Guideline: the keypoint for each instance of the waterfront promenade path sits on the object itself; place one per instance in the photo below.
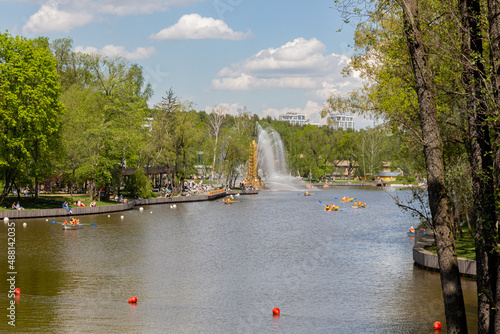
(77, 211)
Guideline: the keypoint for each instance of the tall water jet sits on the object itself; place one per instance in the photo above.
(272, 162)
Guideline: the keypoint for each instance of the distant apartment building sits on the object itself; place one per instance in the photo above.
(341, 122)
(294, 118)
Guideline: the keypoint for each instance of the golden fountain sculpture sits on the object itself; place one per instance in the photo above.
(253, 178)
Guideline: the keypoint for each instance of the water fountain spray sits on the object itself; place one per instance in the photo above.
(272, 162)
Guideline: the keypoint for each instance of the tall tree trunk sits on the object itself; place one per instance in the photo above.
(213, 162)
(481, 162)
(91, 188)
(494, 34)
(439, 201)
(37, 186)
(9, 180)
(72, 189)
(18, 191)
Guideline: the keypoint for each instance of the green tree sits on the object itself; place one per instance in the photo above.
(67, 61)
(184, 138)
(176, 133)
(83, 149)
(216, 119)
(105, 118)
(397, 27)
(234, 152)
(29, 108)
(370, 152)
(139, 185)
(317, 149)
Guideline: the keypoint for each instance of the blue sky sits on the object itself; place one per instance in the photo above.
(268, 56)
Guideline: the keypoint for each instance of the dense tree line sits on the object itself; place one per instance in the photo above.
(81, 119)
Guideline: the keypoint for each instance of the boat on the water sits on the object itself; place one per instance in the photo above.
(71, 227)
(417, 233)
(74, 224)
(412, 231)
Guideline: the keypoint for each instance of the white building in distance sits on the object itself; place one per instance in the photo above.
(341, 122)
(294, 118)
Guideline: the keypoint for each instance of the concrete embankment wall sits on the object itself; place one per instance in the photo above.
(185, 199)
(62, 212)
(243, 192)
(426, 259)
(76, 211)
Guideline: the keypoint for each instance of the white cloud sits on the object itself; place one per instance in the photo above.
(50, 19)
(194, 26)
(299, 64)
(120, 51)
(231, 109)
(63, 15)
(327, 88)
(133, 7)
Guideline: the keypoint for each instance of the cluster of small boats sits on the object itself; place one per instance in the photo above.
(333, 207)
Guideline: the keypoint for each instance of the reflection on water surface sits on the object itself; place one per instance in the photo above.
(213, 268)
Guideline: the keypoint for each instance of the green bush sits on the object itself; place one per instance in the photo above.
(410, 179)
(139, 185)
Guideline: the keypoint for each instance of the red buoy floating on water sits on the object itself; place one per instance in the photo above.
(17, 291)
(437, 325)
(276, 311)
(132, 300)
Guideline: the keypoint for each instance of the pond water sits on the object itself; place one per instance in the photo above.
(207, 267)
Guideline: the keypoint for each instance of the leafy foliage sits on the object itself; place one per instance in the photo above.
(139, 185)
(29, 109)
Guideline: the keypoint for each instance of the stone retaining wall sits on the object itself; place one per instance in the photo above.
(426, 259)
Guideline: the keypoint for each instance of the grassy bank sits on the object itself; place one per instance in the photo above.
(466, 248)
(50, 201)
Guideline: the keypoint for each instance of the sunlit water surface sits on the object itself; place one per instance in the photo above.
(212, 268)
